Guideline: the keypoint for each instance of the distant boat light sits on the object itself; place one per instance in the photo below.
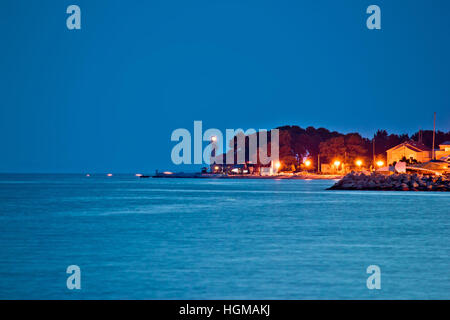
(109, 174)
(88, 175)
(167, 172)
(138, 175)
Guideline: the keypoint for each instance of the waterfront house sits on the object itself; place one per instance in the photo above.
(410, 150)
(443, 151)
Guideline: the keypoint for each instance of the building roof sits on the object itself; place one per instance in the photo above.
(446, 143)
(413, 145)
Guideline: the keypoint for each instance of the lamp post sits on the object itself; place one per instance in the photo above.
(318, 163)
(307, 164)
(213, 152)
(373, 152)
(337, 163)
(277, 165)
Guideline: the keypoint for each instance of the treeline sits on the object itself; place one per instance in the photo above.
(297, 143)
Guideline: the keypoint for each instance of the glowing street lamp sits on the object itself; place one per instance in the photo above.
(337, 163)
(380, 163)
(307, 163)
(359, 163)
(213, 138)
(277, 165)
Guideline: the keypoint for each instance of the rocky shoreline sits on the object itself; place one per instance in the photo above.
(396, 182)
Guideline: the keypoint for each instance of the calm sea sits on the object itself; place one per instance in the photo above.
(218, 239)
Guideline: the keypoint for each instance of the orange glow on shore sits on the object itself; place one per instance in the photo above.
(337, 163)
(380, 163)
(277, 165)
(307, 163)
(359, 163)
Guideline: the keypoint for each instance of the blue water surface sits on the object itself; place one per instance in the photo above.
(218, 239)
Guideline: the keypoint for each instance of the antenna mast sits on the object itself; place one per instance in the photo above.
(434, 134)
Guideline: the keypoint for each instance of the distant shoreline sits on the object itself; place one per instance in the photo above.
(221, 176)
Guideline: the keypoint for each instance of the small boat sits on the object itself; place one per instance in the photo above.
(143, 176)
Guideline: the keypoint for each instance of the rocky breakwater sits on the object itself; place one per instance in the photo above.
(398, 182)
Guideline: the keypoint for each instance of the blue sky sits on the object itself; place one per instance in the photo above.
(106, 98)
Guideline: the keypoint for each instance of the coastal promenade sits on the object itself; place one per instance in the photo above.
(303, 176)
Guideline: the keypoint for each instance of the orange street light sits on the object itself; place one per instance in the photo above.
(359, 163)
(337, 163)
(307, 163)
(380, 163)
(277, 165)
